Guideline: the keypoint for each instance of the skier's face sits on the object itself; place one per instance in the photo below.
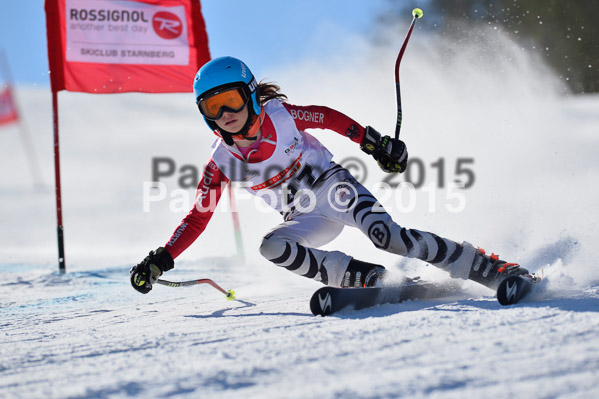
(233, 122)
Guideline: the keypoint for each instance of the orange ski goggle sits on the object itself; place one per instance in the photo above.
(214, 104)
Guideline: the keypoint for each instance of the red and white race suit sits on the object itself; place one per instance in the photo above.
(285, 148)
(289, 161)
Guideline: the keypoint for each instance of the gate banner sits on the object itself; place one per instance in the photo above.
(117, 46)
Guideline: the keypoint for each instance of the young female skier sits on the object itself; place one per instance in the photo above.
(264, 146)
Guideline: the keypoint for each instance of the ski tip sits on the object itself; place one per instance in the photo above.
(321, 303)
(512, 289)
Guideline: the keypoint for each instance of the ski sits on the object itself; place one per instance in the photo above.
(513, 289)
(330, 300)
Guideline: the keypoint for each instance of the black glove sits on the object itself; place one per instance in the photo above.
(147, 272)
(391, 154)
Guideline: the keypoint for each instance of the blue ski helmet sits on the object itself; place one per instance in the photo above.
(226, 72)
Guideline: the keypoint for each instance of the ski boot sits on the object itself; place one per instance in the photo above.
(362, 274)
(489, 270)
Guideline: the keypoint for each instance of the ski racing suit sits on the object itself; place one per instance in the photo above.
(293, 172)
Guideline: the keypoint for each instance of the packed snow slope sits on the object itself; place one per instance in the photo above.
(88, 334)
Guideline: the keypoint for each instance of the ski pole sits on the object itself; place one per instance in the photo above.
(230, 294)
(416, 14)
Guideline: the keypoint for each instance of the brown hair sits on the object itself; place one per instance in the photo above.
(269, 91)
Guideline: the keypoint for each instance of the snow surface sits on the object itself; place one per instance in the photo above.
(87, 334)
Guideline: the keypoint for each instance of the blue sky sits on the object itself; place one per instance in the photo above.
(263, 33)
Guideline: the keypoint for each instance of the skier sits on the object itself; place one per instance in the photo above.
(263, 145)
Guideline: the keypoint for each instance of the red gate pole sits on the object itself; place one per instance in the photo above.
(59, 227)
